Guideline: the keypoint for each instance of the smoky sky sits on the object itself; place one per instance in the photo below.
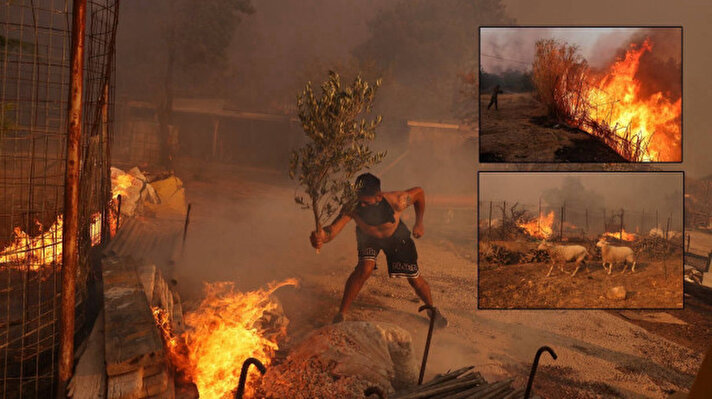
(637, 191)
(512, 48)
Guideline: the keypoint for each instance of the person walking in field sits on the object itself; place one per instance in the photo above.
(379, 228)
(493, 100)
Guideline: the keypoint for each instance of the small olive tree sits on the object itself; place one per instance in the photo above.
(337, 147)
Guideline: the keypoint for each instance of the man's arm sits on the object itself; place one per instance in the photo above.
(416, 197)
(329, 232)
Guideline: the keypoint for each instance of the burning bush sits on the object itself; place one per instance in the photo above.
(610, 105)
(227, 328)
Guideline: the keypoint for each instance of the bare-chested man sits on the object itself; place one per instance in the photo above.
(379, 228)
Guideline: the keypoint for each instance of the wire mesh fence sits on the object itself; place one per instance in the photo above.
(35, 39)
(565, 221)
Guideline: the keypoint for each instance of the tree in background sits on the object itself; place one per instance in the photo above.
(338, 145)
(424, 45)
(176, 45)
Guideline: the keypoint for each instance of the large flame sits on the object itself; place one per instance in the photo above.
(625, 236)
(221, 334)
(540, 227)
(614, 101)
(45, 248)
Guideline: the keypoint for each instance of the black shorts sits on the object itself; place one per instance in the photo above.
(399, 248)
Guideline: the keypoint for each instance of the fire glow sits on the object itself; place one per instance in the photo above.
(45, 247)
(539, 228)
(614, 103)
(221, 334)
(621, 235)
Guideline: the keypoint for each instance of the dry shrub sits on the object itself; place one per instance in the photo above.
(559, 74)
(563, 81)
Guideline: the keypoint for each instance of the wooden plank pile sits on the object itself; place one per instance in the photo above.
(462, 384)
(136, 364)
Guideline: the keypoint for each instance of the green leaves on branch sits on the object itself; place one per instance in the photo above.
(338, 145)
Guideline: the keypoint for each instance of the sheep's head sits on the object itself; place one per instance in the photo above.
(543, 245)
(601, 242)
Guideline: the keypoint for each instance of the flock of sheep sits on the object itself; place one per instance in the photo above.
(566, 253)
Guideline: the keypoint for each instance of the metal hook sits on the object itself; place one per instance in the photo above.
(433, 315)
(534, 366)
(243, 374)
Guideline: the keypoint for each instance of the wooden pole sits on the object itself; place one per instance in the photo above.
(504, 215)
(657, 220)
(538, 222)
(561, 225)
(490, 221)
(70, 233)
(642, 222)
(605, 226)
(586, 222)
(621, 231)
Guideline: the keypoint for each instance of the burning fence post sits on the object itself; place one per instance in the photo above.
(561, 225)
(70, 254)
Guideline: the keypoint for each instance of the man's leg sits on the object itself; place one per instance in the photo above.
(422, 289)
(354, 283)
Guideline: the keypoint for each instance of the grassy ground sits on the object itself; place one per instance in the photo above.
(520, 132)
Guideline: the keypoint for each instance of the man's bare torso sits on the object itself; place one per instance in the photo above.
(398, 200)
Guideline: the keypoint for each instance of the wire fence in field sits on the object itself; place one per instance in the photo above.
(503, 219)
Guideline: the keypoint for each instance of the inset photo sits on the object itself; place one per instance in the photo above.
(580, 240)
(580, 94)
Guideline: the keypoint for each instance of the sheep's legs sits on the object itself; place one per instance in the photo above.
(577, 268)
(550, 269)
(625, 266)
(633, 268)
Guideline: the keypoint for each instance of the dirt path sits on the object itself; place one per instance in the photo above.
(654, 284)
(520, 132)
(253, 233)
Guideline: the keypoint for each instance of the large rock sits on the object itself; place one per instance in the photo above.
(342, 360)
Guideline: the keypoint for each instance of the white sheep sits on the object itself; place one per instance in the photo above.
(611, 255)
(563, 254)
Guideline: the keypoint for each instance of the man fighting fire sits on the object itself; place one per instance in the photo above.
(379, 228)
(493, 99)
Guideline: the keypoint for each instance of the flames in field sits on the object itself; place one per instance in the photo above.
(622, 235)
(225, 330)
(540, 227)
(634, 105)
(615, 101)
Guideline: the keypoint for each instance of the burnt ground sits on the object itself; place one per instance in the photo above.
(246, 228)
(526, 286)
(521, 132)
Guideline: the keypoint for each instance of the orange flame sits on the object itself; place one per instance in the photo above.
(615, 102)
(45, 248)
(625, 236)
(221, 334)
(539, 228)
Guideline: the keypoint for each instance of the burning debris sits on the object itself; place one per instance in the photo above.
(611, 104)
(540, 227)
(227, 328)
